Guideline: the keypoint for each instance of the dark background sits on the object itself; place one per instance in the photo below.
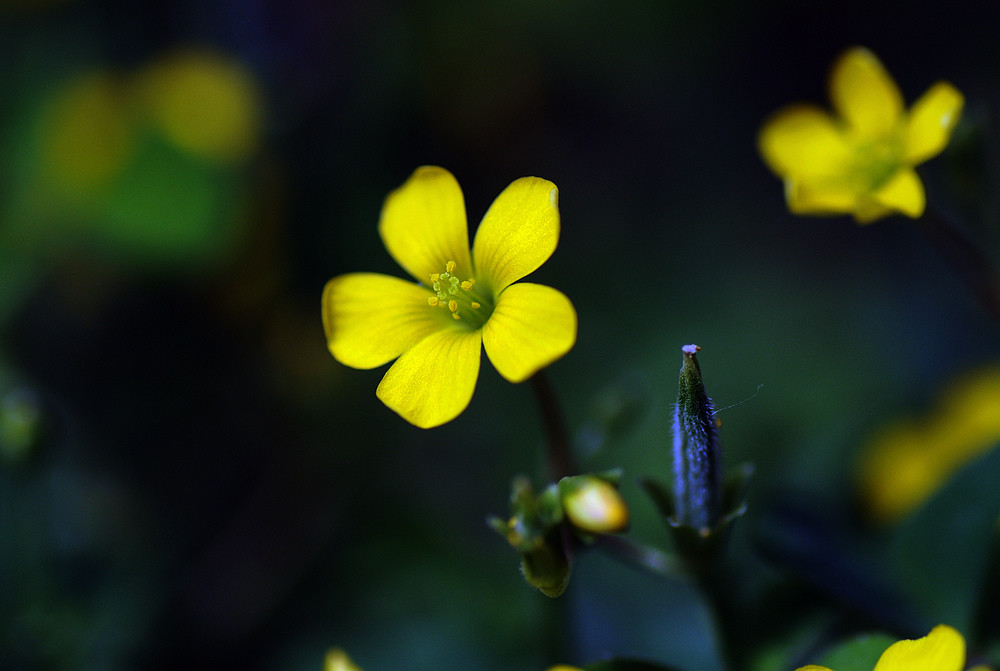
(200, 485)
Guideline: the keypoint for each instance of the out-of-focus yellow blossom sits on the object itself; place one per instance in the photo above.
(87, 133)
(860, 161)
(593, 504)
(206, 103)
(462, 301)
(337, 660)
(564, 667)
(908, 460)
(943, 649)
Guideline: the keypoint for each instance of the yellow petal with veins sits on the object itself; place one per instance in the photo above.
(432, 382)
(370, 318)
(423, 224)
(518, 233)
(531, 326)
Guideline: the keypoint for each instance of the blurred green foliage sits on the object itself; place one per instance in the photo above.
(188, 479)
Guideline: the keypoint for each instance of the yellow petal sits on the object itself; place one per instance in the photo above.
(819, 197)
(423, 224)
(864, 94)
(812, 667)
(531, 326)
(432, 382)
(904, 193)
(941, 650)
(518, 234)
(370, 318)
(932, 119)
(803, 141)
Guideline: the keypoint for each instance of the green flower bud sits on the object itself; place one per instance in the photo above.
(697, 467)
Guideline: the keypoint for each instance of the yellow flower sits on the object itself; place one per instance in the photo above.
(464, 300)
(860, 162)
(564, 667)
(908, 460)
(941, 650)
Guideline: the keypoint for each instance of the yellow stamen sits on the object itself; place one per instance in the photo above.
(453, 306)
(475, 305)
(450, 266)
(467, 284)
(433, 301)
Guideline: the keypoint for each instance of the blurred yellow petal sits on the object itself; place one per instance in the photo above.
(518, 233)
(88, 133)
(819, 197)
(864, 94)
(813, 667)
(206, 103)
(370, 318)
(903, 193)
(932, 119)
(531, 326)
(337, 660)
(943, 649)
(432, 382)
(564, 667)
(423, 225)
(803, 140)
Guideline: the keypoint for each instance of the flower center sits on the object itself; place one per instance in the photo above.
(460, 297)
(878, 160)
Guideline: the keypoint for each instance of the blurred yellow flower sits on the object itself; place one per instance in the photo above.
(463, 301)
(862, 160)
(943, 649)
(564, 667)
(206, 103)
(909, 459)
(337, 660)
(87, 133)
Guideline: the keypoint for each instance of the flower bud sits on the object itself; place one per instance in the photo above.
(697, 468)
(337, 660)
(593, 505)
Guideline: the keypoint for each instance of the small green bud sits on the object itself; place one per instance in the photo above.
(535, 530)
(697, 467)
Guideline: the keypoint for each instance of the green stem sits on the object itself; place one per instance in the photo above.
(560, 459)
(715, 586)
(641, 556)
(972, 265)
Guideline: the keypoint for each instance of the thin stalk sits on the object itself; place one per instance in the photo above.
(976, 270)
(559, 457)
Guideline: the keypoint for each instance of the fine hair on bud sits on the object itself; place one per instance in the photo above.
(697, 468)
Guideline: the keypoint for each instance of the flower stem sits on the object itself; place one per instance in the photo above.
(972, 265)
(560, 460)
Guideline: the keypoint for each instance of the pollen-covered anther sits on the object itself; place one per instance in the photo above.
(433, 301)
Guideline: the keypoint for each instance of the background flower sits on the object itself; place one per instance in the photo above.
(860, 161)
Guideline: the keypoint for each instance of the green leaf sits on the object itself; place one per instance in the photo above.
(860, 653)
(940, 554)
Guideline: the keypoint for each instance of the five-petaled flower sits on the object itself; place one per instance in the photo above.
(862, 161)
(941, 650)
(463, 300)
